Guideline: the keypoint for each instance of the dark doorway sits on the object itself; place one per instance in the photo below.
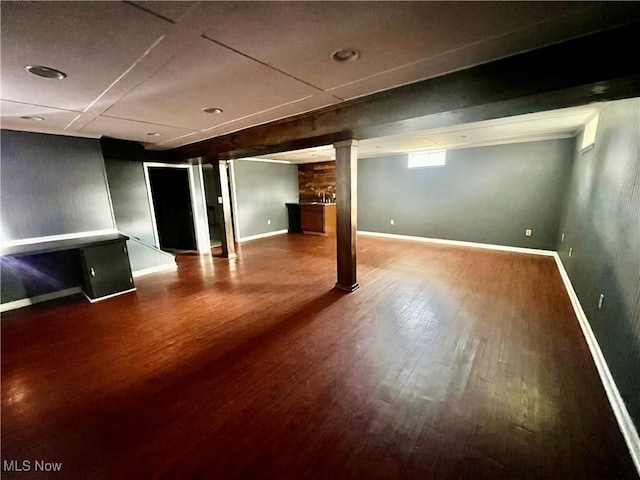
(172, 205)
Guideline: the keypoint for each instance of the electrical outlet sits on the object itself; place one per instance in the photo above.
(600, 300)
(562, 238)
(570, 251)
(268, 222)
(220, 200)
(392, 222)
(527, 232)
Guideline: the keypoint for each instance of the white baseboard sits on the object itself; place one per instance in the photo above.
(627, 427)
(261, 235)
(458, 243)
(106, 297)
(25, 302)
(160, 268)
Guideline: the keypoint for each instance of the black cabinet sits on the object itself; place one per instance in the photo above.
(106, 269)
(295, 224)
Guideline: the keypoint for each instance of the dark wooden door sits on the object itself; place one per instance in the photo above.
(172, 205)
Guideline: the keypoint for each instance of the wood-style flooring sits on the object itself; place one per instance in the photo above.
(447, 363)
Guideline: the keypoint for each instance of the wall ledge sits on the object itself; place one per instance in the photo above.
(52, 238)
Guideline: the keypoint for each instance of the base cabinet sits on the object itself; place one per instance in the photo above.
(318, 219)
(106, 269)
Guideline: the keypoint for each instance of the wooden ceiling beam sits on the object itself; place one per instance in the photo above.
(594, 68)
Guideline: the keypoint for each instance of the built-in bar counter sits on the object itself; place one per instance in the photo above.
(312, 218)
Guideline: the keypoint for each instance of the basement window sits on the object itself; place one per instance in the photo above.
(433, 158)
(589, 134)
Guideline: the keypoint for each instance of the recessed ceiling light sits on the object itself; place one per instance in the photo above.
(345, 55)
(212, 110)
(32, 117)
(45, 72)
(154, 134)
(461, 136)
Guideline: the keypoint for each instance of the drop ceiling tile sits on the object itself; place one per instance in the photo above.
(304, 105)
(54, 121)
(172, 11)
(93, 42)
(554, 30)
(299, 37)
(283, 111)
(130, 130)
(208, 75)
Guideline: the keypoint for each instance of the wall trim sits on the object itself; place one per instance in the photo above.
(627, 427)
(25, 302)
(203, 244)
(234, 199)
(64, 236)
(159, 268)
(99, 299)
(262, 235)
(459, 243)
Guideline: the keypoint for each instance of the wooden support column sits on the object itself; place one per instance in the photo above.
(347, 213)
(228, 242)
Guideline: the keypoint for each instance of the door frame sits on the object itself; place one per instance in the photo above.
(200, 220)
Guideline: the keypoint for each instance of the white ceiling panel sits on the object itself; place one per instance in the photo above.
(161, 63)
(208, 75)
(92, 42)
(53, 120)
(130, 130)
(171, 11)
(301, 106)
(551, 31)
(299, 37)
(283, 111)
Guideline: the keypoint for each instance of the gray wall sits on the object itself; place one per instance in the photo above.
(601, 223)
(262, 189)
(131, 208)
(485, 194)
(130, 199)
(52, 185)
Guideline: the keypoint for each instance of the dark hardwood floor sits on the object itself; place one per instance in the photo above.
(447, 363)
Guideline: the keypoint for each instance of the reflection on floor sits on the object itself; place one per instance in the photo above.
(448, 362)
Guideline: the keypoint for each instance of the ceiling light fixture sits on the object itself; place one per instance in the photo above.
(45, 72)
(212, 110)
(461, 136)
(32, 117)
(154, 134)
(345, 55)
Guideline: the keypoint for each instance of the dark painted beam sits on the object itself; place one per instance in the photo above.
(598, 67)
